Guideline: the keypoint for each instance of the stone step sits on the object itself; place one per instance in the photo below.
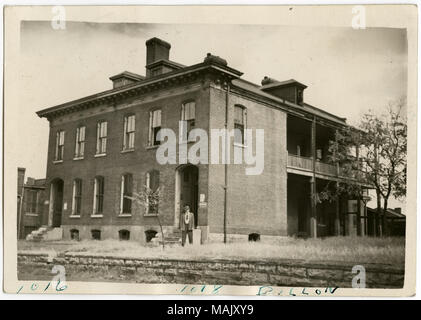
(173, 235)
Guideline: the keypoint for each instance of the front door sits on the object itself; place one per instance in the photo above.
(189, 189)
(56, 203)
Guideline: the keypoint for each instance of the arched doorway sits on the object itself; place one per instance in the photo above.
(187, 190)
(56, 203)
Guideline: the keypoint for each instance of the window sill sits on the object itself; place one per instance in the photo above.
(127, 150)
(240, 145)
(153, 147)
(72, 216)
(78, 158)
(98, 155)
(124, 215)
(31, 214)
(57, 161)
(150, 215)
(96, 215)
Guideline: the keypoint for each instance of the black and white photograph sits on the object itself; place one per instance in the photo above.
(174, 150)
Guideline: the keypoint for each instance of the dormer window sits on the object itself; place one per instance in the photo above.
(290, 90)
(125, 78)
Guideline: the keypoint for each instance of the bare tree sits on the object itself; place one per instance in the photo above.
(373, 154)
(150, 201)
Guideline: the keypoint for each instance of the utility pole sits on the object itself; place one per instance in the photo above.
(227, 148)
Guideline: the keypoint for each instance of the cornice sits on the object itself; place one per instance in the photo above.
(145, 86)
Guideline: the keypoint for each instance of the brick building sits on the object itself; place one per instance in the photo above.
(31, 197)
(103, 147)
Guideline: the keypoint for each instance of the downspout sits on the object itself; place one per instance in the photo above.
(227, 149)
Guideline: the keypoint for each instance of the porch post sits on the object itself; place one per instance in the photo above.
(313, 218)
(359, 233)
(337, 216)
(338, 205)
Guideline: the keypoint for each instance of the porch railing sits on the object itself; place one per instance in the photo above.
(306, 164)
(300, 162)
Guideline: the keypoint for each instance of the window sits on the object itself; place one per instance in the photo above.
(129, 132)
(300, 97)
(80, 142)
(154, 127)
(101, 137)
(124, 234)
(254, 237)
(240, 119)
(74, 234)
(96, 234)
(31, 203)
(152, 183)
(98, 195)
(126, 191)
(77, 197)
(59, 145)
(319, 155)
(150, 234)
(188, 115)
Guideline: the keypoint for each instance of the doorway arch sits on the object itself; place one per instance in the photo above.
(186, 191)
(56, 203)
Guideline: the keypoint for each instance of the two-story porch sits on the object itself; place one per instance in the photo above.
(310, 172)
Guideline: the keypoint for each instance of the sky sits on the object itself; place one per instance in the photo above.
(347, 71)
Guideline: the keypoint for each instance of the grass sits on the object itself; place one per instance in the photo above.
(344, 249)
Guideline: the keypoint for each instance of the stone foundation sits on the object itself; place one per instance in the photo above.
(291, 273)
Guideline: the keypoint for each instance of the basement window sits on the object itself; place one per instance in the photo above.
(74, 234)
(254, 237)
(150, 234)
(124, 234)
(96, 234)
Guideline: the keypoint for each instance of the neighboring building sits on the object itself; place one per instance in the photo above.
(396, 222)
(31, 197)
(103, 147)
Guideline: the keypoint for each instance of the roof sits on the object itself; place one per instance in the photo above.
(211, 62)
(286, 83)
(127, 74)
(152, 81)
(256, 89)
(170, 63)
(390, 213)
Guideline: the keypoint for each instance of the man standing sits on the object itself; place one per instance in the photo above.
(186, 225)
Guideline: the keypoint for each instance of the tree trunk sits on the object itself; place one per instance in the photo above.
(378, 224)
(385, 222)
(359, 233)
(162, 232)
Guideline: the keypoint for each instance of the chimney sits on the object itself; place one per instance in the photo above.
(398, 210)
(21, 180)
(30, 181)
(157, 49)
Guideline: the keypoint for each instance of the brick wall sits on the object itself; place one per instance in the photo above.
(115, 163)
(292, 273)
(256, 203)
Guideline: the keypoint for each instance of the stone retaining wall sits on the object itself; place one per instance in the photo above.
(292, 273)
